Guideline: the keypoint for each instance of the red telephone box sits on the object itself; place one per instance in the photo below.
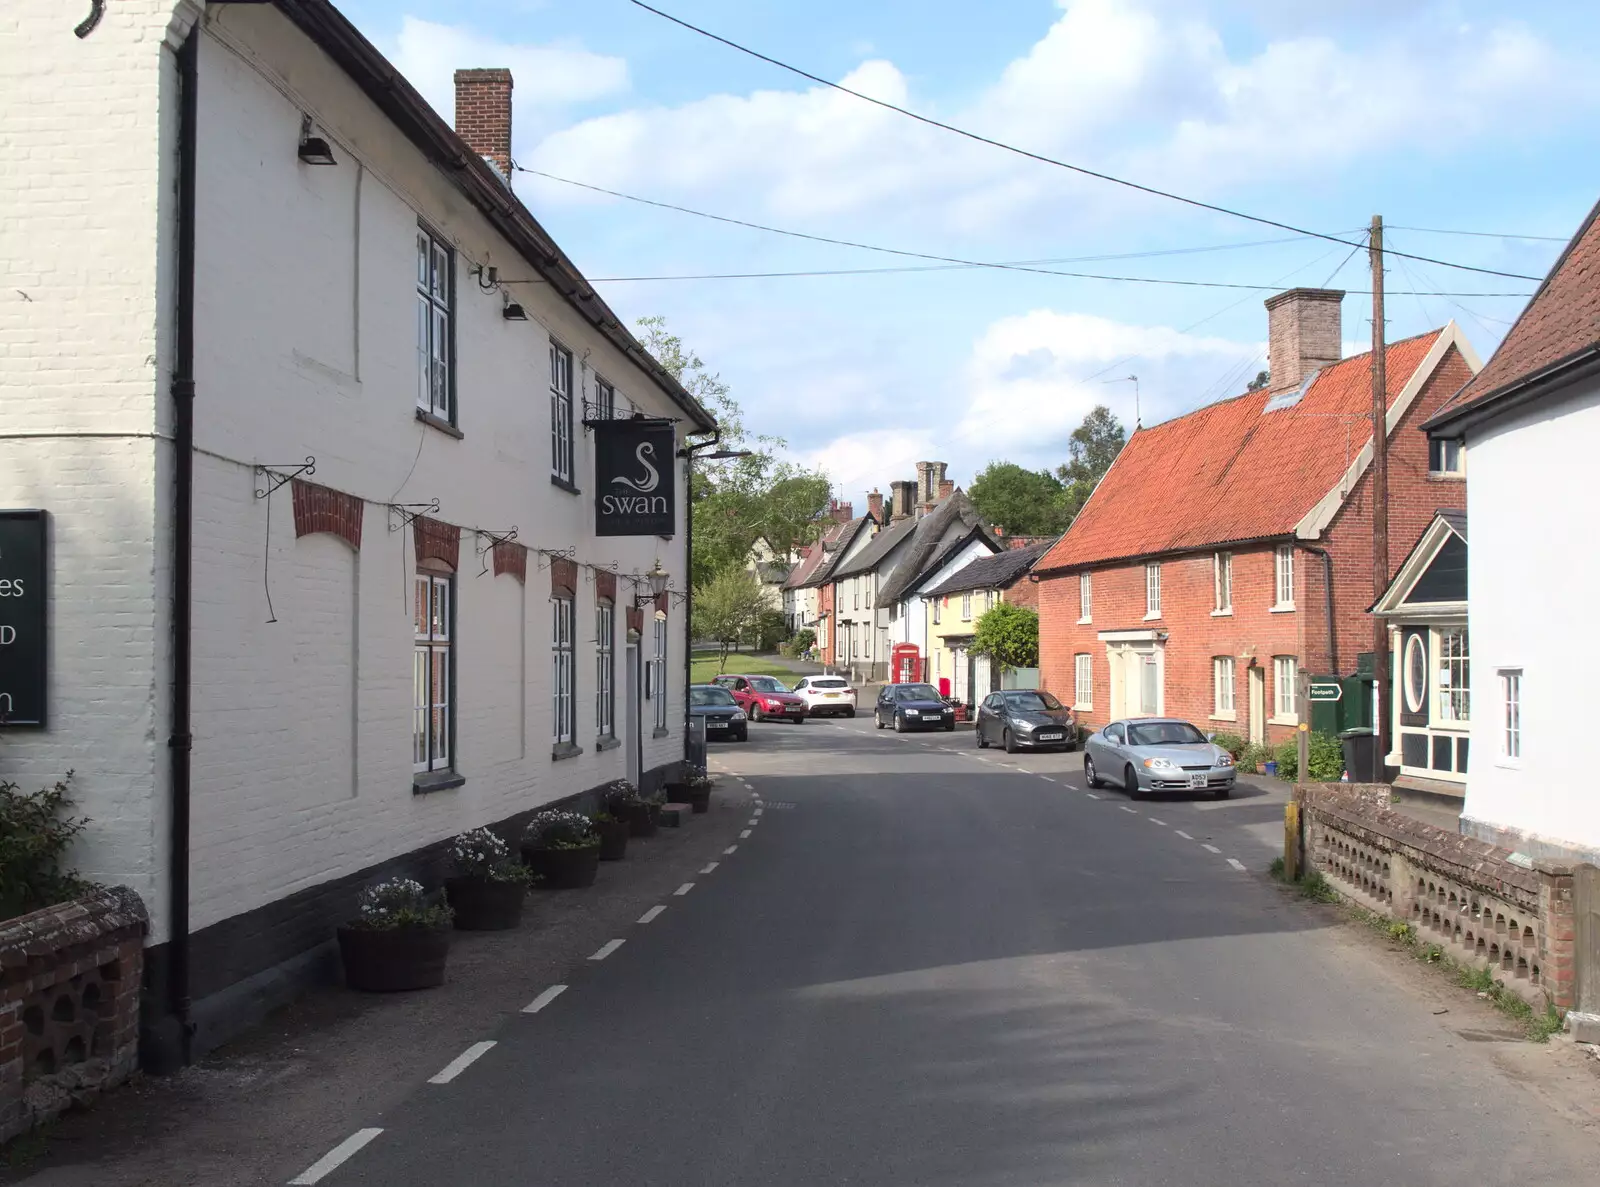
(906, 664)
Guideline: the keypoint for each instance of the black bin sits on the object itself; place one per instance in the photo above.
(1361, 755)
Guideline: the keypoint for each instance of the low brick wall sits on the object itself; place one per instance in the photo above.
(1465, 895)
(69, 1005)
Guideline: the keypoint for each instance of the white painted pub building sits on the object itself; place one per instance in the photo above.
(300, 387)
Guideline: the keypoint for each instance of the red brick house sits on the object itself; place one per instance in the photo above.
(1227, 549)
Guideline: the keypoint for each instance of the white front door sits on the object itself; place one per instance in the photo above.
(1258, 704)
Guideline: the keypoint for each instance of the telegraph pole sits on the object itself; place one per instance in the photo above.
(1380, 492)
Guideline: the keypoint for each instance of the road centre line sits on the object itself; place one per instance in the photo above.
(544, 999)
(1162, 823)
(1092, 795)
(731, 849)
(461, 1062)
(1210, 848)
(607, 949)
(334, 1158)
(744, 836)
(684, 889)
(653, 913)
(710, 865)
(1236, 864)
(1183, 834)
(758, 811)
(1125, 808)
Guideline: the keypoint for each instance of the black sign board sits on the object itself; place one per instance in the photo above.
(22, 617)
(634, 471)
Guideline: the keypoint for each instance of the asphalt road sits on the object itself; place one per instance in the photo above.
(929, 967)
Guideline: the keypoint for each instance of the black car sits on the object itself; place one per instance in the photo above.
(913, 707)
(1028, 719)
(721, 713)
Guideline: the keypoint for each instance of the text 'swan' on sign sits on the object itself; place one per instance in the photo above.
(22, 617)
(634, 476)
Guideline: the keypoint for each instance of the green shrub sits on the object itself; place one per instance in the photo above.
(34, 834)
(1326, 755)
(1252, 756)
(804, 640)
(1232, 743)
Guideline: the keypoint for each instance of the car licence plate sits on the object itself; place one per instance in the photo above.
(716, 725)
(1197, 780)
(1051, 737)
(833, 695)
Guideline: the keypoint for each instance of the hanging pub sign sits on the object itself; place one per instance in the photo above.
(22, 617)
(634, 469)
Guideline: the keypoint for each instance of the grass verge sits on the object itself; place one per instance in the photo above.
(703, 665)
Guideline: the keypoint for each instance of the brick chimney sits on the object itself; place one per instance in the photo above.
(483, 115)
(875, 505)
(902, 498)
(1303, 334)
(947, 486)
(841, 512)
(924, 481)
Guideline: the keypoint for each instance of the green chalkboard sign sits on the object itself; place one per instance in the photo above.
(23, 642)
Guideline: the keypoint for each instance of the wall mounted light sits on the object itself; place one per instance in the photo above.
(514, 312)
(658, 578)
(314, 150)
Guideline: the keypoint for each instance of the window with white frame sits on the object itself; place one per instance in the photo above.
(660, 662)
(561, 413)
(1222, 686)
(1085, 598)
(1511, 710)
(1283, 577)
(855, 592)
(991, 599)
(1455, 676)
(938, 604)
(605, 670)
(1152, 591)
(435, 298)
(432, 651)
(1083, 680)
(1446, 457)
(562, 676)
(966, 605)
(1222, 582)
(1284, 671)
(605, 400)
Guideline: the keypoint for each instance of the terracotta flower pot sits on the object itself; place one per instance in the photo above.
(482, 904)
(394, 960)
(613, 839)
(564, 869)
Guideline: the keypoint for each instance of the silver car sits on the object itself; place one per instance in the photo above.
(1145, 754)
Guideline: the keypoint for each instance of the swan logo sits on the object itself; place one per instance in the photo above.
(634, 488)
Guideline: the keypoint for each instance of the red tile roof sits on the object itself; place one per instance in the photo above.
(1230, 471)
(1561, 320)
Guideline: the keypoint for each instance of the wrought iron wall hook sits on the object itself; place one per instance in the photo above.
(495, 539)
(97, 9)
(407, 512)
(276, 476)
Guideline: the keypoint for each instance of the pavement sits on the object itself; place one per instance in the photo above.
(916, 963)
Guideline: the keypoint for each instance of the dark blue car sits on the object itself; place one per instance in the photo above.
(913, 707)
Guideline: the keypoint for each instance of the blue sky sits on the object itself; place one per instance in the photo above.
(1469, 115)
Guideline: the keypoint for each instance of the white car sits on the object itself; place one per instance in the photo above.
(827, 695)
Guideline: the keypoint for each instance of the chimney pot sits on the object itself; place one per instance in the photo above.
(1304, 333)
(483, 115)
(875, 505)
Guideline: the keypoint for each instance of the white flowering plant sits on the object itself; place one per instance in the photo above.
(559, 829)
(482, 853)
(397, 903)
(696, 778)
(617, 799)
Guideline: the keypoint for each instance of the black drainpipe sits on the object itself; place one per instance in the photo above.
(178, 1030)
(1333, 636)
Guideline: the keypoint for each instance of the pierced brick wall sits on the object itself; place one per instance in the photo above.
(69, 1005)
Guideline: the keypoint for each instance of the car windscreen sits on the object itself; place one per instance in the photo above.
(767, 684)
(703, 697)
(1032, 702)
(1164, 733)
(828, 684)
(917, 692)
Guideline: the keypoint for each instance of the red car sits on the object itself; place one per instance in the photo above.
(764, 698)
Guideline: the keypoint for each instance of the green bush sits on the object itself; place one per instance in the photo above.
(1252, 756)
(1232, 743)
(766, 630)
(804, 640)
(34, 835)
(1326, 756)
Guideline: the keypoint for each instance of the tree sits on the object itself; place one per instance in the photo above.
(1023, 502)
(1260, 381)
(726, 607)
(1008, 635)
(737, 501)
(1093, 447)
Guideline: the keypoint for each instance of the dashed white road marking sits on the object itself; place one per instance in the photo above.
(710, 865)
(334, 1158)
(1162, 823)
(754, 820)
(744, 836)
(607, 949)
(1092, 795)
(758, 811)
(544, 999)
(1047, 778)
(731, 849)
(652, 913)
(1125, 808)
(1183, 834)
(461, 1062)
(1236, 864)
(1209, 848)
(684, 889)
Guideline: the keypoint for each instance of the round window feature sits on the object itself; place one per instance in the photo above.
(1416, 673)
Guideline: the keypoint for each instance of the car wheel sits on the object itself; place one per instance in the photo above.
(744, 736)
(899, 724)
(1009, 742)
(877, 720)
(1130, 783)
(755, 712)
(799, 720)
(1090, 776)
(849, 712)
(977, 733)
(950, 727)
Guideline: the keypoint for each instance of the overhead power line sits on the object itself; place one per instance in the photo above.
(1041, 158)
(1482, 234)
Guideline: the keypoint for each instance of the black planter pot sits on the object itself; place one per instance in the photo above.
(564, 869)
(391, 961)
(484, 905)
(613, 839)
(699, 800)
(642, 819)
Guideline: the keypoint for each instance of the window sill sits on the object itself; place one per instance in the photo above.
(1295, 721)
(1289, 609)
(609, 742)
(1224, 717)
(1508, 764)
(1085, 621)
(1445, 476)
(1082, 707)
(1228, 613)
(565, 750)
(438, 422)
(427, 782)
(564, 485)
(661, 732)
(1151, 618)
